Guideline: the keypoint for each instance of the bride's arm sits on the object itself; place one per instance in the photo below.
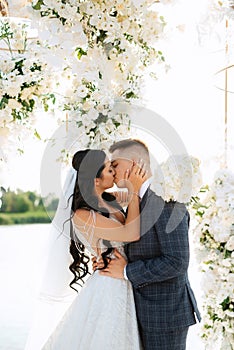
(112, 230)
(119, 215)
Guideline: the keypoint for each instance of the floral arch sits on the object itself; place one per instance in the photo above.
(99, 53)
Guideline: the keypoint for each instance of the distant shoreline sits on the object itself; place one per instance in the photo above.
(30, 217)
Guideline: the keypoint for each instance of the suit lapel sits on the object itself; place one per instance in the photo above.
(144, 198)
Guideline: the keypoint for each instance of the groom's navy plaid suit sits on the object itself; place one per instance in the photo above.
(157, 268)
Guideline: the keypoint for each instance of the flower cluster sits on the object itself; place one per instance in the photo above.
(178, 178)
(214, 239)
(106, 49)
(25, 79)
(222, 8)
(212, 27)
(218, 10)
(83, 132)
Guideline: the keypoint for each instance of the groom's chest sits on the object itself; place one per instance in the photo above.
(147, 247)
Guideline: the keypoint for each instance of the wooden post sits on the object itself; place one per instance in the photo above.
(4, 12)
(226, 103)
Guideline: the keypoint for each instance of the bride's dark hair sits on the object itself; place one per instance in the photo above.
(89, 165)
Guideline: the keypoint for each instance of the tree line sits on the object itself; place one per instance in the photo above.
(19, 201)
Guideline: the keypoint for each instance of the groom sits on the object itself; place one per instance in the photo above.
(158, 263)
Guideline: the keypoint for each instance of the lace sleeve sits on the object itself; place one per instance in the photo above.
(85, 233)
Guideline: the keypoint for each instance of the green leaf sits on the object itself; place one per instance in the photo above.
(130, 94)
(46, 99)
(5, 31)
(227, 254)
(38, 5)
(225, 303)
(37, 135)
(162, 19)
(128, 37)
(80, 52)
(35, 67)
(53, 98)
(3, 102)
(21, 151)
(19, 66)
(101, 119)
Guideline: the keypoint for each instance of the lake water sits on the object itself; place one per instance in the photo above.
(22, 258)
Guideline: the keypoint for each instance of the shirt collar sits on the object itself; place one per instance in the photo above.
(144, 187)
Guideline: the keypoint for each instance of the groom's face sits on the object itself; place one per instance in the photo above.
(121, 165)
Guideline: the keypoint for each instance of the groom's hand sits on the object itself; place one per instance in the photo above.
(115, 267)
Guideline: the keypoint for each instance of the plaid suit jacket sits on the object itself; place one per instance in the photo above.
(157, 267)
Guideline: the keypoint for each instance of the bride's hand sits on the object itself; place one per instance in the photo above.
(136, 177)
(94, 263)
(97, 263)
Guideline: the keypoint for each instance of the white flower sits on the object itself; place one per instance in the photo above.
(87, 122)
(216, 231)
(6, 65)
(88, 105)
(102, 48)
(220, 233)
(13, 104)
(179, 178)
(26, 93)
(82, 91)
(229, 313)
(4, 132)
(230, 243)
(12, 89)
(226, 263)
(5, 116)
(92, 114)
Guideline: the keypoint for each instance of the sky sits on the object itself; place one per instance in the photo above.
(187, 97)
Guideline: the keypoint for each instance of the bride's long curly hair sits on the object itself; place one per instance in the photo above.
(89, 165)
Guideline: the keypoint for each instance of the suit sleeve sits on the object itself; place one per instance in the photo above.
(171, 229)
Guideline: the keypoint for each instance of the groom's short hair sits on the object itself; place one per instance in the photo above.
(129, 143)
(132, 149)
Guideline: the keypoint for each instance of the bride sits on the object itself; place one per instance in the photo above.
(102, 316)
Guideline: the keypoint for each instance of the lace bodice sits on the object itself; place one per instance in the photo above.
(94, 245)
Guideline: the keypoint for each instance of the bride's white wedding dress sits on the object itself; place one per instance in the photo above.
(102, 316)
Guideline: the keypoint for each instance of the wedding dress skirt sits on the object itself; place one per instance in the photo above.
(101, 317)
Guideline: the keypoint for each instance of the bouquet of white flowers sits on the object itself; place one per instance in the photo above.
(178, 178)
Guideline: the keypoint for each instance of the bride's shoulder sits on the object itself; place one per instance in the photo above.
(83, 215)
(87, 216)
(82, 212)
